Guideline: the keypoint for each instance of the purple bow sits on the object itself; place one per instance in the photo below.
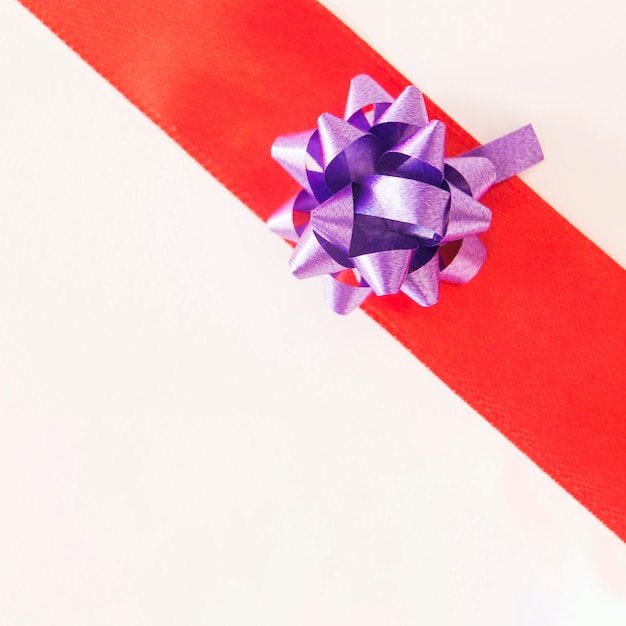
(381, 207)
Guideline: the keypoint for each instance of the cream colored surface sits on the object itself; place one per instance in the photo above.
(175, 449)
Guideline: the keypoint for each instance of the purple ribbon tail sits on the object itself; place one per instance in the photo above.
(512, 153)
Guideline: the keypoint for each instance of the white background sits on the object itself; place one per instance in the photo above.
(189, 437)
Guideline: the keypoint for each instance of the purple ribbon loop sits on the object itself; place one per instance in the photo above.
(379, 199)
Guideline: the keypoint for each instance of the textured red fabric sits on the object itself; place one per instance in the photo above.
(536, 342)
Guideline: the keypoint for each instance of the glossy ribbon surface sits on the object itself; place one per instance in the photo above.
(380, 198)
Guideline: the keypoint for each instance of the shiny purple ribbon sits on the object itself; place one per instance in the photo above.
(381, 209)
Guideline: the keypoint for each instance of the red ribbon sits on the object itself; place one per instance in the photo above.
(536, 342)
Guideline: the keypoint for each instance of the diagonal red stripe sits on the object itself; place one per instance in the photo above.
(536, 343)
